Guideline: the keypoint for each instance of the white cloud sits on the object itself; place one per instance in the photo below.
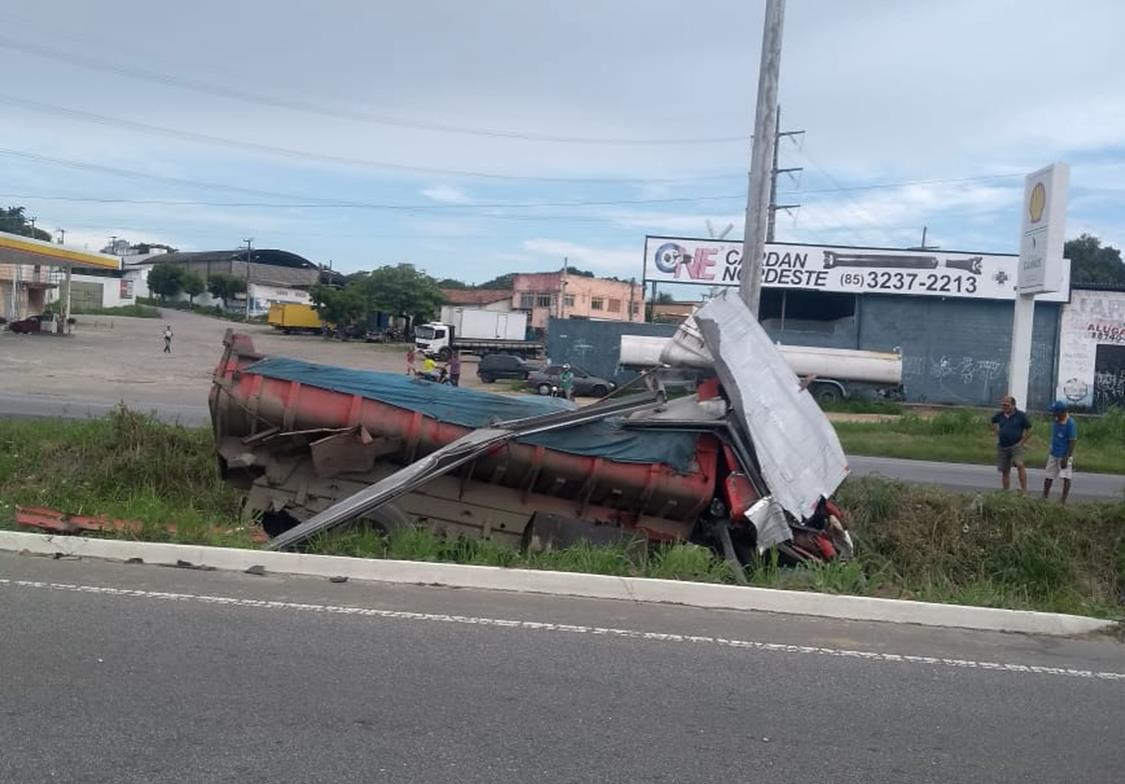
(606, 261)
(446, 194)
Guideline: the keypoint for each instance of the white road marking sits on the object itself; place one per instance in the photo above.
(633, 634)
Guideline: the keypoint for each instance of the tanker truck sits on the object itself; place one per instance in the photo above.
(747, 463)
(835, 373)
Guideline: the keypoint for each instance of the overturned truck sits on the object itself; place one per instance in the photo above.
(747, 463)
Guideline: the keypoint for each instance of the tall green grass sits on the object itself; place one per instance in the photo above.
(912, 542)
(126, 466)
(964, 435)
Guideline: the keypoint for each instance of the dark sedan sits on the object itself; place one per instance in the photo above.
(585, 385)
(42, 323)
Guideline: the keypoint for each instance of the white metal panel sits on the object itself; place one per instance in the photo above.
(800, 455)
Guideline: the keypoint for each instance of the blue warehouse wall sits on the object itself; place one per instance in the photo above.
(595, 346)
(954, 350)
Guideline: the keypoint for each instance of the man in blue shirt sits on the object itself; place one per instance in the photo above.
(1012, 429)
(1064, 435)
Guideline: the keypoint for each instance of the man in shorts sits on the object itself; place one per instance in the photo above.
(1012, 429)
(1064, 435)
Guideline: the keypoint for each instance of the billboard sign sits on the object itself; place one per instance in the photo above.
(1041, 236)
(929, 273)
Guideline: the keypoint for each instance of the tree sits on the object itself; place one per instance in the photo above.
(505, 281)
(193, 285)
(402, 291)
(452, 283)
(13, 221)
(1094, 264)
(225, 287)
(664, 298)
(165, 280)
(338, 306)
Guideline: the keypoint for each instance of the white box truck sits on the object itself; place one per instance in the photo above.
(476, 331)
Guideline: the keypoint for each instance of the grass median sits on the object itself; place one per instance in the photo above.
(920, 543)
(965, 436)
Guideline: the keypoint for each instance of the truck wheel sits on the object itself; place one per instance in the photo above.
(599, 391)
(544, 389)
(444, 354)
(826, 394)
(487, 379)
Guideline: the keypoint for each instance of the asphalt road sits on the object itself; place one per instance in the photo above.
(120, 673)
(962, 477)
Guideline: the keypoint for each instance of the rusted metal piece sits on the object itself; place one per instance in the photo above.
(45, 519)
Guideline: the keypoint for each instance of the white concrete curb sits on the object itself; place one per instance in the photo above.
(594, 586)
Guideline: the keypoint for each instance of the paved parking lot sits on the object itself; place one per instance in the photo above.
(109, 358)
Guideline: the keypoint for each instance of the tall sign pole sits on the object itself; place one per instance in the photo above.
(1040, 264)
(761, 157)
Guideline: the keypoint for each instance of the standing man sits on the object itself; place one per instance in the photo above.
(1064, 435)
(167, 338)
(1012, 429)
(455, 369)
(410, 359)
(566, 382)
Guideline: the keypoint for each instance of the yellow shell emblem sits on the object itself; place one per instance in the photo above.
(1037, 203)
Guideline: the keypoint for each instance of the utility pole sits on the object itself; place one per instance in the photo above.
(113, 244)
(761, 156)
(249, 253)
(32, 222)
(562, 287)
(774, 171)
(62, 236)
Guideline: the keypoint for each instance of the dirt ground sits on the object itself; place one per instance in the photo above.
(121, 359)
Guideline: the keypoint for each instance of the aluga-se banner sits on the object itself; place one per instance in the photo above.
(930, 273)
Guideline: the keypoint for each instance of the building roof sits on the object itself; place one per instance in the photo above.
(475, 296)
(267, 266)
(268, 256)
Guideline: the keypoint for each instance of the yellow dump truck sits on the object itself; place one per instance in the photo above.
(291, 318)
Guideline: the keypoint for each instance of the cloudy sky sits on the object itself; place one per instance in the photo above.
(474, 138)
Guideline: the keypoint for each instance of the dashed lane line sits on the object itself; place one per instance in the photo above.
(566, 628)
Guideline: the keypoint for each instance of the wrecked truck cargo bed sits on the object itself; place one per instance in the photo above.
(473, 409)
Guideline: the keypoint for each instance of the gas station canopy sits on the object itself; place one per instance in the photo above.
(15, 249)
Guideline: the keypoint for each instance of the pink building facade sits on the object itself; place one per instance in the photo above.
(546, 294)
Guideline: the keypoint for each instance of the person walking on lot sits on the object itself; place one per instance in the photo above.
(1012, 429)
(410, 358)
(167, 338)
(455, 369)
(1064, 434)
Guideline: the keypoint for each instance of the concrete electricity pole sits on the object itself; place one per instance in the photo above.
(761, 157)
(249, 253)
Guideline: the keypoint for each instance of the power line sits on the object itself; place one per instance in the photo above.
(366, 205)
(309, 107)
(221, 141)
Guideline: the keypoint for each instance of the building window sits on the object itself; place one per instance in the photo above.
(543, 300)
(527, 301)
(597, 303)
(568, 300)
(614, 306)
(636, 308)
(802, 305)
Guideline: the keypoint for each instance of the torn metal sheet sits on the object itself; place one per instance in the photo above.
(800, 456)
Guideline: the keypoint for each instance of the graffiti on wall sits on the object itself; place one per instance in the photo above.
(1091, 337)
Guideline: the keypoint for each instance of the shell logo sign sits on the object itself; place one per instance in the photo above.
(1037, 203)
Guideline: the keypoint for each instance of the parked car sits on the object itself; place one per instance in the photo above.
(494, 366)
(44, 322)
(585, 384)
